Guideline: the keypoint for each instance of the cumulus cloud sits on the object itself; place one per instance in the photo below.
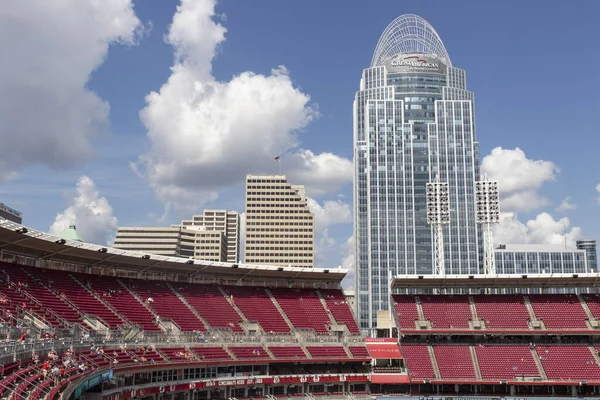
(330, 213)
(544, 229)
(207, 134)
(49, 50)
(519, 178)
(91, 213)
(566, 205)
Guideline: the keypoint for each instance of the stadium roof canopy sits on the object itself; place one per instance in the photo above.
(496, 281)
(19, 240)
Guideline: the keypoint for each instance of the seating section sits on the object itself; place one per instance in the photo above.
(35, 287)
(249, 352)
(257, 306)
(177, 353)
(339, 308)
(84, 300)
(559, 311)
(568, 363)
(593, 303)
(406, 309)
(212, 305)
(211, 353)
(506, 362)
(447, 311)
(287, 352)
(359, 351)
(303, 307)
(454, 362)
(112, 292)
(502, 311)
(327, 351)
(418, 361)
(166, 304)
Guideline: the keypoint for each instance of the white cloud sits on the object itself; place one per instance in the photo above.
(598, 190)
(519, 178)
(207, 134)
(91, 213)
(566, 205)
(49, 50)
(544, 229)
(330, 213)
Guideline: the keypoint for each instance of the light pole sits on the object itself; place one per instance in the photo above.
(438, 215)
(488, 213)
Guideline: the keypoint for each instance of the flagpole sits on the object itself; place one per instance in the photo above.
(279, 162)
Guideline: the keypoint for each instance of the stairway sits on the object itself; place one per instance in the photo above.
(586, 308)
(106, 304)
(332, 320)
(235, 307)
(305, 350)
(192, 309)
(283, 314)
(436, 369)
(538, 362)
(532, 317)
(233, 357)
(475, 362)
(420, 309)
(135, 296)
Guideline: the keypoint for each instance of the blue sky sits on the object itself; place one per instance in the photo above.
(532, 66)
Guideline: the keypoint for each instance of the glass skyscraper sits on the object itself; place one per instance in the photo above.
(413, 121)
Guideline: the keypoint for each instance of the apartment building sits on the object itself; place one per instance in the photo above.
(280, 229)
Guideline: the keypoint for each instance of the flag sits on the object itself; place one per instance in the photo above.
(276, 159)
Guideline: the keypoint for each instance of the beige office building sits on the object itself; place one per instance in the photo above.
(212, 236)
(280, 229)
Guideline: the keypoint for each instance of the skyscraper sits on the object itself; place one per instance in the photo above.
(413, 122)
(280, 229)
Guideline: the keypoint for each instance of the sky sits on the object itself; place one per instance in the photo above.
(142, 113)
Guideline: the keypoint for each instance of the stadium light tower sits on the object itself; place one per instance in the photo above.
(438, 215)
(488, 213)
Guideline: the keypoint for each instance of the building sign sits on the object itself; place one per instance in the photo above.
(415, 63)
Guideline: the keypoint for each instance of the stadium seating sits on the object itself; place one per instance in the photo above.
(303, 307)
(339, 308)
(447, 311)
(212, 305)
(359, 351)
(211, 353)
(506, 362)
(454, 362)
(287, 352)
(166, 304)
(418, 361)
(406, 309)
(84, 300)
(502, 311)
(568, 363)
(111, 291)
(249, 352)
(327, 351)
(257, 306)
(559, 311)
(593, 303)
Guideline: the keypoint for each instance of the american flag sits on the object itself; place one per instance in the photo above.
(278, 158)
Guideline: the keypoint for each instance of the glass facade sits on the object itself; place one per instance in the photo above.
(413, 122)
(541, 262)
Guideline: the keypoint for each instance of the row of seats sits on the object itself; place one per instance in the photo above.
(556, 311)
(63, 298)
(502, 362)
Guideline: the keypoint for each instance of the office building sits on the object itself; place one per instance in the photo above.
(540, 259)
(227, 222)
(413, 122)
(10, 214)
(212, 236)
(590, 253)
(280, 229)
